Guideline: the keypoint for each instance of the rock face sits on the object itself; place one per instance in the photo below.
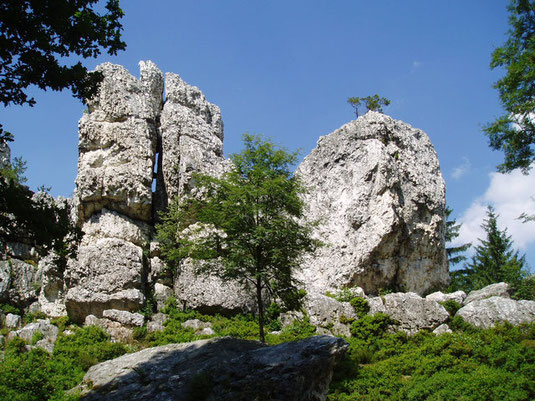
(127, 134)
(19, 282)
(485, 313)
(375, 186)
(221, 369)
(493, 290)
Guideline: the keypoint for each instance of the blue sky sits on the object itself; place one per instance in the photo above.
(286, 68)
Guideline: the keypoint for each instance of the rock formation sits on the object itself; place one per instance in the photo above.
(222, 369)
(376, 188)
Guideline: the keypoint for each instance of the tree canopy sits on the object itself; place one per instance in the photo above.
(514, 132)
(37, 37)
(373, 103)
(245, 226)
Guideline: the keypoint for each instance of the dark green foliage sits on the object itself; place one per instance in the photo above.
(451, 306)
(360, 305)
(373, 103)
(514, 131)
(298, 330)
(454, 253)
(33, 317)
(37, 34)
(37, 375)
(7, 308)
(477, 365)
(246, 226)
(524, 289)
(368, 329)
(494, 260)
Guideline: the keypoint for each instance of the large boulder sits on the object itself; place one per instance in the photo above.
(20, 282)
(376, 189)
(485, 313)
(222, 369)
(492, 290)
(413, 312)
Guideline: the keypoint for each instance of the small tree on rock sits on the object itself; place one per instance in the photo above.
(245, 226)
(373, 103)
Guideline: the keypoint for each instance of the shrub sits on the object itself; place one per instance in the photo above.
(369, 328)
(7, 308)
(360, 305)
(451, 306)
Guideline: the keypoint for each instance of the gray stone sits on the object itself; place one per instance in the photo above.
(237, 370)
(196, 324)
(485, 313)
(107, 274)
(442, 329)
(52, 296)
(43, 326)
(12, 321)
(124, 317)
(20, 282)
(161, 294)
(493, 290)
(326, 312)
(413, 312)
(117, 143)
(457, 296)
(375, 186)
(116, 330)
(156, 322)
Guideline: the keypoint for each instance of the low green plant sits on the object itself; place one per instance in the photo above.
(451, 306)
(7, 308)
(37, 336)
(33, 317)
(360, 305)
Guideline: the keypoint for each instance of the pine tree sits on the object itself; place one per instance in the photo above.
(494, 260)
(452, 232)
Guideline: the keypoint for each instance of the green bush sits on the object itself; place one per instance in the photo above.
(451, 306)
(7, 308)
(298, 330)
(369, 329)
(360, 305)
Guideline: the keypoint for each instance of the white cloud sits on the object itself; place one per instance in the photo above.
(461, 169)
(510, 195)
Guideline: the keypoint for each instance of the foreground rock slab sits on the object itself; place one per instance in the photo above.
(219, 369)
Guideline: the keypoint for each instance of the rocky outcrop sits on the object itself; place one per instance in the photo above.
(439, 296)
(376, 188)
(485, 313)
(221, 369)
(20, 282)
(413, 312)
(493, 290)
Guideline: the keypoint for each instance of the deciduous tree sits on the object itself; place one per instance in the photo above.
(245, 226)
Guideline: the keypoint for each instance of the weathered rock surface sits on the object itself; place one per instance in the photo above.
(485, 313)
(457, 296)
(442, 329)
(12, 321)
(116, 330)
(493, 290)
(325, 313)
(20, 282)
(376, 187)
(413, 312)
(117, 143)
(43, 326)
(233, 370)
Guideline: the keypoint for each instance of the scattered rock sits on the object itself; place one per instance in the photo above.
(325, 313)
(161, 294)
(413, 312)
(156, 322)
(230, 369)
(498, 290)
(442, 329)
(124, 317)
(43, 326)
(457, 296)
(12, 321)
(375, 186)
(485, 313)
(116, 330)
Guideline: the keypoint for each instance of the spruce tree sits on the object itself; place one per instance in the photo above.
(454, 253)
(494, 260)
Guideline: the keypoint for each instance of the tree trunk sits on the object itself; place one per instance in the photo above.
(260, 309)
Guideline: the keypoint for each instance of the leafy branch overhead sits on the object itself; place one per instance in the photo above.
(245, 226)
(372, 103)
(37, 36)
(514, 131)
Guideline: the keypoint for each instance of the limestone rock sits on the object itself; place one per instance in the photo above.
(375, 186)
(156, 322)
(209, 294)
(116, 330)
(493, 290)
(236, 370)
(107, 274)
(42, 326)
(52, 296)
(12, 321)
(485, 313)
(442, 329)
(161, 294)
(199, 327)
(20, 282)
(191, 135)
(413, 312)
(457, 296)
(325, 312)
(124, 317)
(117, 143)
